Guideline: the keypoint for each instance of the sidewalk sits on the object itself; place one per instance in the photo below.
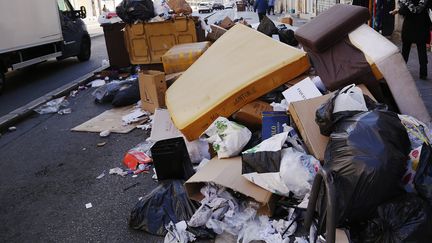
(93, 27)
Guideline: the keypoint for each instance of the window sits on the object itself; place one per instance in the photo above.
(64, 5)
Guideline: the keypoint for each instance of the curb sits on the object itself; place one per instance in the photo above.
(26, 110)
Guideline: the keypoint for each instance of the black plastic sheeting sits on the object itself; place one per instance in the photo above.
(423, 177)
(366, 158)
(287, 36)
(267, 27)
(167, 202)
(135, 10)
(405, 219)
(128, 96)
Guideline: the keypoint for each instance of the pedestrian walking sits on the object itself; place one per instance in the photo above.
(261, 6)
(270, 9)
(415, 29)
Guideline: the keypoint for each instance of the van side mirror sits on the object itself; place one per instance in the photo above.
(83, 12)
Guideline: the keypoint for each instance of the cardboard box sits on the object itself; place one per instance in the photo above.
(180, 57)
(303, 114)
(286, 20)
(250, 114)
(227, 23)
(152, 87)
(227, 173)
(216, 33)
(272, 123)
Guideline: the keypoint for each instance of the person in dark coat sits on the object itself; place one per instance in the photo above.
(261, 6)
(415, 29)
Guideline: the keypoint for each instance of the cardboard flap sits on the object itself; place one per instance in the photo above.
(227, 173)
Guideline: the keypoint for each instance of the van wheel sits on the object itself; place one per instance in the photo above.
(2, 81)
(85, 50)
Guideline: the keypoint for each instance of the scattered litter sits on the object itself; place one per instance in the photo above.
(101, 175)
(135, 116)
(138, 155)
(98, 82)
(131, 186)
(11, 129)
(134, 176)
(118, 171)
(52, 106)
(178, 233)
(140, 198)
(88, 205)
(105, 63)
(65, 111)
(73, 93)
(228, 138)
(145, 127)
(101, 144)
(84, 149)
(154, 176)
(104, 134)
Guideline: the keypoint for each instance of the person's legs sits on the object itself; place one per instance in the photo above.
(422, 56)
(406, 47)
(261, 16)
(272, 10)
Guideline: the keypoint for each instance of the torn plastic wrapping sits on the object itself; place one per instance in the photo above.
(364, 164)
(168, 202)
(404, 219)
(267, 27)
(52, 106)
(279, 169)
(228, 138)
(423, 176)
(177, 233)
(417, 131)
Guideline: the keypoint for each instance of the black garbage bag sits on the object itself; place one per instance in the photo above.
(107, 92)
(366, 158)
(287, 36)
(405, 219)
(267, 27)
(326, 119)
(167, 202)
(423, 177)
(127, 96)
(135, 10)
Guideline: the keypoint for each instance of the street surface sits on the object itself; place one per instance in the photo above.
(48, 173)
(33, 82)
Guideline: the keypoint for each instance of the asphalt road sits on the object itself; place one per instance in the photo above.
(30, 83)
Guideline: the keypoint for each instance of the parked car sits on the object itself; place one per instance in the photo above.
(229, 5)
(204, 7)
(218, 6)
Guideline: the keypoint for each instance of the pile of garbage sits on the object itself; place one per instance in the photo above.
(136, 11)
(312, 137)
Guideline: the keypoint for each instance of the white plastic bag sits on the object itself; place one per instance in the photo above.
(350, 98)
(228, 138)
(297, 171)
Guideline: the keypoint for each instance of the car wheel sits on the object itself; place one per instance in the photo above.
(85, 50)
(2, 81)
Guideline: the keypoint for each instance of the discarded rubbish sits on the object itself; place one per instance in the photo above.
(135, 116)
(171, 159)
(131, 186)
(138, 155)
(423, 177)
(365, 171)
(168, 202)
(131, 11)
(178, 233)
(134, 176)
(104, 134)
(52, 106)
(228, 138)
(100, 176)
(97, 83)
(404, 219)
(101, 144)
(73, 93)
(65, 111)
(118, 171)
(127, 96)
(12, 129)
(88, 205)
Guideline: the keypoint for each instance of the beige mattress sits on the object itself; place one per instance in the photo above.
(240, 67)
